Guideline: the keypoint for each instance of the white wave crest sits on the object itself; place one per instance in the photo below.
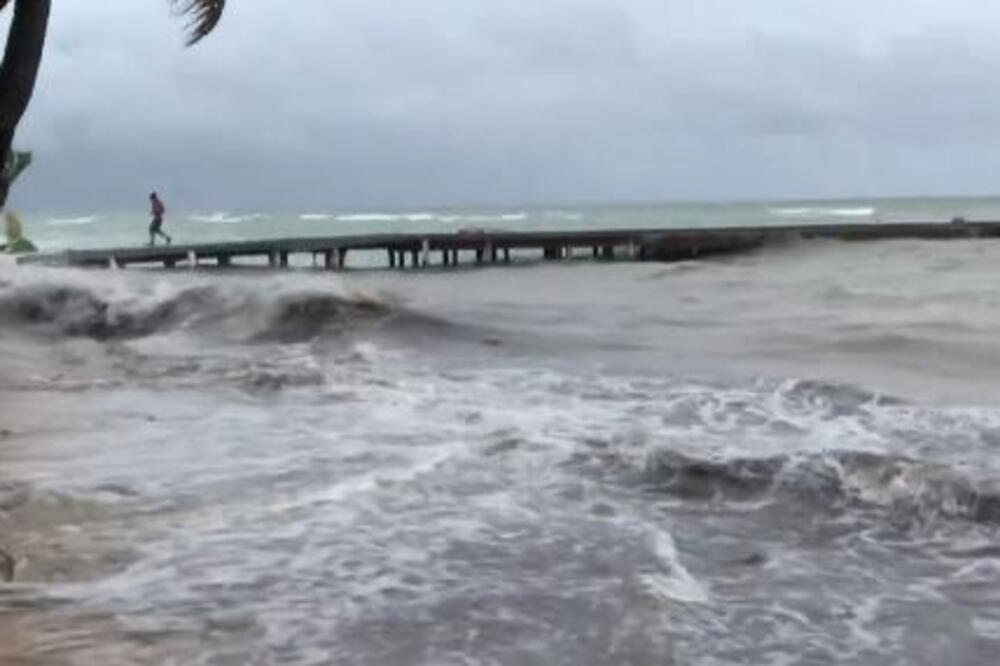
(445, 218)
(564, 215)
(368, 217)
(853, 212)
(387, 217)
(677, 585)
(315, 217)
(71, 221)
(500, 217)
(813, 213)
(420, 217)
(224, 218)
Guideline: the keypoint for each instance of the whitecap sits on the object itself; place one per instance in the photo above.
(387, 217)
(315, 217)
(223, 218)
(792, 212)
(501, 217)
(563, 215)
(853, 212)
(368, 217)
(680, 584)
(71, 221)
(805, 212)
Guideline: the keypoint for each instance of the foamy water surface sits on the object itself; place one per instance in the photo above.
(787, 457)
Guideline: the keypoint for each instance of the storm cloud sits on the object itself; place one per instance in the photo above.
(343, 104)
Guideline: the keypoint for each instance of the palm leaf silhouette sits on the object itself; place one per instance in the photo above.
(204, 15)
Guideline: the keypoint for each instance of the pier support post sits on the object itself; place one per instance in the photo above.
(551, 252)
(223, 261)
(284, 259)
(597, 252)
(392, 258)
(328, 260)
(454, 257)
(341, 258)
(445, 254)
(479, 255)
(272, 259)
(169, 263)
(415, 257)
(506, 255)
(608, 252)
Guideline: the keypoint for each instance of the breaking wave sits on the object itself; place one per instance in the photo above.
(224, 218)
(501, 217)
(245, 314)
(447, 218)
(817, 446)
(911, 490)
(563, 215)
(386, 217)
(72, 221)
(819, 212)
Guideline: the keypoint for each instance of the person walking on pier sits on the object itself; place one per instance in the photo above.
(157, 210)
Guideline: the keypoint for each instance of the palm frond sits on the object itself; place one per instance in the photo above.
(205, 15)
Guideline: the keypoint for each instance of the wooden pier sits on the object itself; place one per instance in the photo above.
(491, 247)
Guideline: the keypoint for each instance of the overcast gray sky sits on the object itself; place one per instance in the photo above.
(361, 104)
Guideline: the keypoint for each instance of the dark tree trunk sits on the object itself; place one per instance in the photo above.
(19, 70)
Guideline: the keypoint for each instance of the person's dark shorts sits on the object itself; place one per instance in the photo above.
(155, 224)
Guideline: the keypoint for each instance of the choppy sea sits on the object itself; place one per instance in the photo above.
(785, 457)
